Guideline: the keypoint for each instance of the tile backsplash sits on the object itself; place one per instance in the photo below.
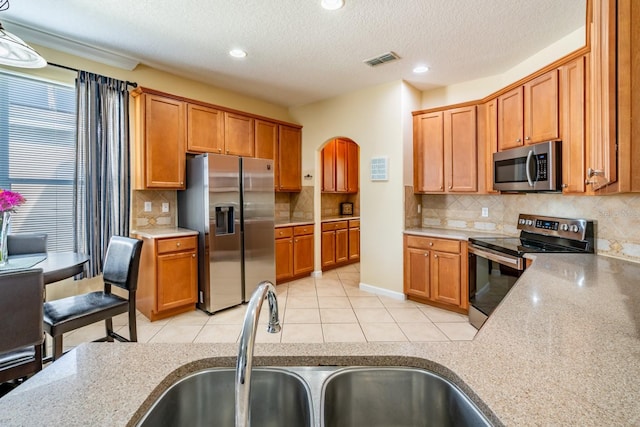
(617, 217)
(141, 220)
(330, 203)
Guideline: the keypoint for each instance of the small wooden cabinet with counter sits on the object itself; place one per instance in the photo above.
(340, 242)
(294, 252)
(435, 272)
(168, 276)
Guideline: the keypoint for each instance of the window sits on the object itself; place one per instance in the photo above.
(37, 155)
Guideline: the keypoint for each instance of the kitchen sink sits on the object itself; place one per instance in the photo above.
(206, 398)
(380, 396)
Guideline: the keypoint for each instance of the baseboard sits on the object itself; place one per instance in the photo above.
(383, 292)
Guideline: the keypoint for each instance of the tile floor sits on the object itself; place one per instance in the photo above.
(327, 309)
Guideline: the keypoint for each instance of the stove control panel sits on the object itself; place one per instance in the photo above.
(574, 229)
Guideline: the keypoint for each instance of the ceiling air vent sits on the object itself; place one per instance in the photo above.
(381, 59)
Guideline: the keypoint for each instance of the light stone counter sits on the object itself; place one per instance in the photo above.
(292, 223)
(562, 349)
(449, 233)
(160, 233)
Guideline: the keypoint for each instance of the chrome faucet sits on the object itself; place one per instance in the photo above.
(247, 340)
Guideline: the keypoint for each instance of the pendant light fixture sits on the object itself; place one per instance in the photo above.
(15, 52)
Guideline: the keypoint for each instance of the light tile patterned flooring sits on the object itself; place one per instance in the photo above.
(327, 309)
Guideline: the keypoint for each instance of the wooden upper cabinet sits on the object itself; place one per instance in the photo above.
(529, 114)
(205, 129)
(428, 152)
(328, 159)
(445, 151)
(510, 119)
(572, 90)
(340, 166)
(541, 109)
(266, 139)
(491, 141)
(239, 134)
(289, 163)
(159, 144)
(460, 141)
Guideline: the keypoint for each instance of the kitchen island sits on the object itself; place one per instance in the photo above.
(561, 349)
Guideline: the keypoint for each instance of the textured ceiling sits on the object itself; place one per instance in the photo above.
(300, 53)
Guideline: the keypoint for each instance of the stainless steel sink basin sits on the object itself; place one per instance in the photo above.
(206, 398)
(379, 396)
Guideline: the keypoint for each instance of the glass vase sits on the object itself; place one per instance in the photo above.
(5, 218)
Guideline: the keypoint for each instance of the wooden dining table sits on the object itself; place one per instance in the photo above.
(55, 266)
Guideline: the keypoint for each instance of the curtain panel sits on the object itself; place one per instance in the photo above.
(101, 189)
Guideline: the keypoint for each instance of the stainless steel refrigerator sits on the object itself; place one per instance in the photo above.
(229, 200)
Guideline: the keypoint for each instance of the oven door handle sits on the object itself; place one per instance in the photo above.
(516, 262)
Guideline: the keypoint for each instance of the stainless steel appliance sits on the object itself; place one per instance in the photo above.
(532, 168)
(229, 200)
(495, 263)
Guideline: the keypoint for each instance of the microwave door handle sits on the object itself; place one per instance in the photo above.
(528, 168)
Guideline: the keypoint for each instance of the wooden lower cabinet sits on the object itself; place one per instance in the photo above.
(340, 243)
(435, 272)
(168, 276)
(294, 252)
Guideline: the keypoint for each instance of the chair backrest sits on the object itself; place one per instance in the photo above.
(121, 262)
(26, 243)
(21, 307)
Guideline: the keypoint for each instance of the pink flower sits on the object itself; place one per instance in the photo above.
(10, 200)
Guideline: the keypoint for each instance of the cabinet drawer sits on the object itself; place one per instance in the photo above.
(335, 225)
(441, 245)
(354, 223)
(283, 232)
(302, 230)
(177, 244)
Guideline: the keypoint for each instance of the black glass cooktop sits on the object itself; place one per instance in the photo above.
(517, 246)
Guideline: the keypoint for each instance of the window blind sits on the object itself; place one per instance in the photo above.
(37, 155)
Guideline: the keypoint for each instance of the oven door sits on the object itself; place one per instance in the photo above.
(491, 275)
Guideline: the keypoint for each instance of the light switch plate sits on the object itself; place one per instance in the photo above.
(147, 206)
(165, 207)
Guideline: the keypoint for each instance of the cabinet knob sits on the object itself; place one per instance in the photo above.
(178, 244)
(518, 140)
(430, 243)
(450, 187)
(193, 255)
(435, 256)
(441, 187)
(227, 151)
(426, 254)
(296, 240)
(564, 186)
(527, 138)
(219, 150)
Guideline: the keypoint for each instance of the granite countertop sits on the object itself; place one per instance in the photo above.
(292, 223)
(159, 233)
(339, 218)
(450, 233)
(561, 349)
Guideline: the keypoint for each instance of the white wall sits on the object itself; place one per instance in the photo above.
(479, 88)
(373, 118)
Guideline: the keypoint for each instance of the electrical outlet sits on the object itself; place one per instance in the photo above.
(147, 206)
(165, 207)
(485, 212)
(419, 208)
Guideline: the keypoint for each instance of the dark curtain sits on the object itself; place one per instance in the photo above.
(101, 189)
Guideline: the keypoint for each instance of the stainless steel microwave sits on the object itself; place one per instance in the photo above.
(531, 168)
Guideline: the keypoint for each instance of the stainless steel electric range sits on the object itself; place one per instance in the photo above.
(495, 263)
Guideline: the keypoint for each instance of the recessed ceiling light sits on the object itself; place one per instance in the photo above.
(332, 4)
(421, 69)
(237, 53)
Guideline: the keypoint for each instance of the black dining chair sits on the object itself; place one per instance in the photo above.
(26, 243)
(21, 336)
(120, 269)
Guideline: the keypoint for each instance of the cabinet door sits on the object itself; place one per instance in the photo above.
(266, 139)
(541, 117)
(354, 243)
(238, 135)
(289, 158)
(303, 254)
(416, 272)
(572, 79)
(341, 165)
(353, 167)
(445, 278)
(510, 125)
(428, 152)
(328, 244)
(342, 245)
(328, 167)
(205, 129)
(177, 280)
(164, 142)
(461, 149)
(284, 258)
